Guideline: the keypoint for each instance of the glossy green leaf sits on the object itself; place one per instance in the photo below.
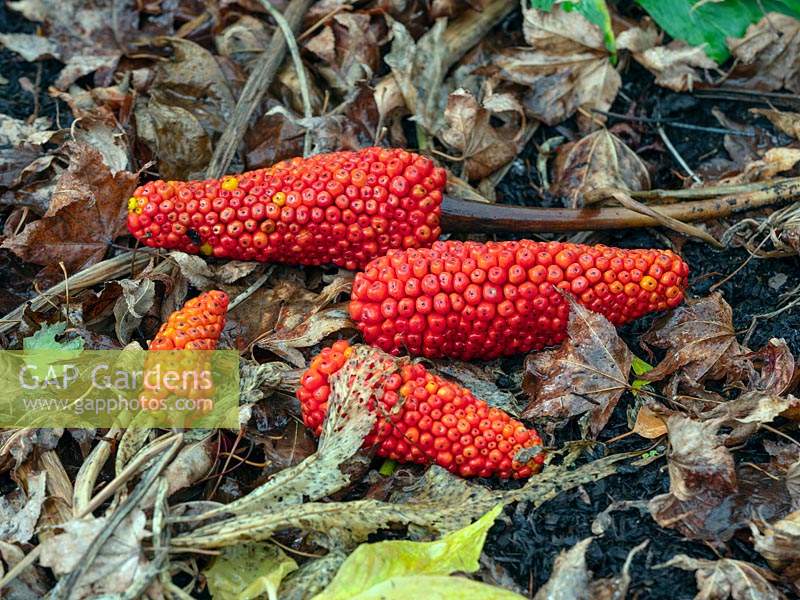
(375, 570)
(595, 11)
(711, 23)
(248, 571)
(639, 367)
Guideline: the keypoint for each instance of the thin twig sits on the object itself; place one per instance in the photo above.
(674, 123)
(254, 90)
(676, 155)
(288, 35)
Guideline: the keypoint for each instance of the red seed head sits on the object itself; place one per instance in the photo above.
(196, 326)
(342, 208)
(438, 421)
(469, 300)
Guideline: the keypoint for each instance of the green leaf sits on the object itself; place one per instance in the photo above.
(247, 571)
(435, 587)
(639, 367)
(595, 11)
(371, 570)
(710, 23)
(45, 339)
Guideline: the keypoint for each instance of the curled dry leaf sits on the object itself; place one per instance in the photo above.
(744, 414)
(698, 337)
(193, 462)
(779, 544)
(87, 37)
(768, 56)
(649, 424)
(468, 130)
(727, 578)
(774, 161)
(565, 67)
(597, 161)
(86, 213)
(787, 122)
(136, 300)
(120, 561)
(19, 511)
(587, 374)
(674, 65)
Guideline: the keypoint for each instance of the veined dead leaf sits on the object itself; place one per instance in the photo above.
(587, 374)
(468, 130)
(727, 578)
(768, 56)
(597, 161)
(566, 67)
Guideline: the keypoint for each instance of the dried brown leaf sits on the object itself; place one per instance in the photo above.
(86, 213)
(674, 65)
(787, 122)
(20, 510)
(649, 424)
(779, 544)
(565, 67)
(698, 337)
(468, 130)
(768, 56)
(727, 578)
(701, 477)
(587, 374)
(136, 300)
(597, 161)
(744, 414)
(774, 161)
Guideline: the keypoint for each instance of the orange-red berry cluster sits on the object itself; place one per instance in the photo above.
(437, 420)
(196, 326)
(479, 301)
(343, 208)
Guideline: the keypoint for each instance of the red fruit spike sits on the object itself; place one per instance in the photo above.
(342, 208)
(196, 326)
(500, 298)
(438, 421)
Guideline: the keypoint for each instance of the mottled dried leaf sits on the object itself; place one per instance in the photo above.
(137, 298)
(468, 130)
(787, 122)
(768, 56)
(565, 67)
(19, 511)
(779, 544)
(597, 161)
(587, 374)
(86, 213)
(698, 337)
(727, 578)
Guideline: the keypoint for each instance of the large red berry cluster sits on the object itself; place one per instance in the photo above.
(343, 208)
(479, 301)
(423, 418)
(196, 326)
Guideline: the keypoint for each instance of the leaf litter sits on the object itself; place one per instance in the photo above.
(152, 88)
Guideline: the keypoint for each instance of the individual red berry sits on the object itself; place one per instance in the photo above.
(342, 208)
(500, 298)
(437, 420)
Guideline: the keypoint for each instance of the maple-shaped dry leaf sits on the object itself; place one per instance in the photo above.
(698, 337)
(768, 56)
(468, 130)
(587, 374)
(566, 67)
(701, 477)
(597, 161)
(87, 211)
(727, 578)
(674, 65)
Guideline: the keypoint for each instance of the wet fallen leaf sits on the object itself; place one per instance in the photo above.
(20, 510)
(777, 367)
(768, 56)
(119, 562)
(675, 65)
(248, 571)
(597, 161)
(744, 414)
(468, 131)
(86, 213)
(565, 67)
(787, 122)
(86, 37)
(587, 374)
(727, 578)
(698, 337)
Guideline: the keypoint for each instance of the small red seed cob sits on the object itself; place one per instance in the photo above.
(469, 300)
(196, 326)
(438, 421)
(342, 208)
